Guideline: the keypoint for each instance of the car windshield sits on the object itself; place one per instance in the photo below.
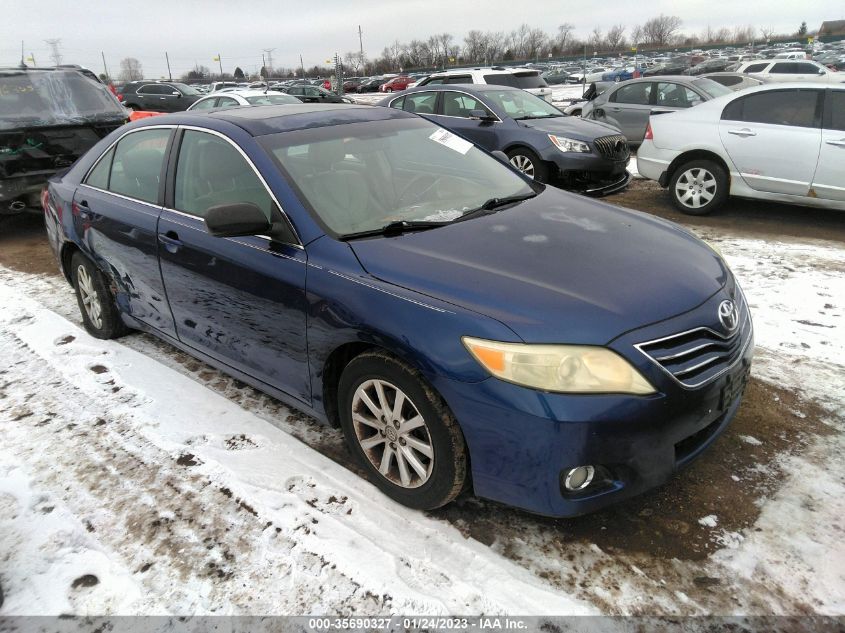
(272, 99)
(364, 176)
(46, 98)
(522, 105)
(712, 88)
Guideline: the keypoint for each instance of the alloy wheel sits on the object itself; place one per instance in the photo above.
(392, 433)
(90, 298)
(523, 164)
(695, 188)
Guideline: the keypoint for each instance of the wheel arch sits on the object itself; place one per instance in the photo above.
(697, 154)
(65, 257)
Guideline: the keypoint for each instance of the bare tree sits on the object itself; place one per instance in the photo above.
(596, 39)
(767, 32)
(616, 37)
(130, 69)
(564, 36)
(494, 46)
(474, 43)
(517, 40)
(636, 35)
(660, 30)
(535, 44)
(352, 60)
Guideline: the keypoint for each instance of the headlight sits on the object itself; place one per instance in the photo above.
(569, 144)
(560, 368)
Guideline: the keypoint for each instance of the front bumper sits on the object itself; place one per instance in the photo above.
(589, 174)
(522, 441)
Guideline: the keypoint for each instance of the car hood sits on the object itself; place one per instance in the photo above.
(558, 268)
(569, 126)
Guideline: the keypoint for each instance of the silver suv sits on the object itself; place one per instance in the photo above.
(526, 78)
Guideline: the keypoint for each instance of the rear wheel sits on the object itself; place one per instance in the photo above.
(99, 312)
(699, 187)
(529, 164)
(401, 431)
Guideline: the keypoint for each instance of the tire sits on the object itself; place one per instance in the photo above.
(434, 442)
(699, 187)
(529, 164)
(575, 113)
(99, 312)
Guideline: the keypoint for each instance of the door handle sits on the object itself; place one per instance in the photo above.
(839, 143)
(171, 241)
(616, 109)
(742, 132)
(84, 210)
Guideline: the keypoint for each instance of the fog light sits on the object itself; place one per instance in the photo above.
(579, 478)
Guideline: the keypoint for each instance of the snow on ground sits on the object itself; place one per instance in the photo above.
(129, 486)
(287, 529)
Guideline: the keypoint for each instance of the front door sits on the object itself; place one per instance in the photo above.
(453, 113)
(239, 300)
(773, 138)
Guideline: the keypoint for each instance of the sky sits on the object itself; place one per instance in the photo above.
(193, 32)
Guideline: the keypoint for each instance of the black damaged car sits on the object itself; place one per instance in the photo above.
(48, 119)
(539, 140)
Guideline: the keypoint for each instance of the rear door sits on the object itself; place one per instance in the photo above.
(116, 210)
(239, 300)
(628, 109)
(829, 181)
(773, 138)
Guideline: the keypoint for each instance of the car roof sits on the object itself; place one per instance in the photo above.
(271, 119)
(252, 92)
(464, 87)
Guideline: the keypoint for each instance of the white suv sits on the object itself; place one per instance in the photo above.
(791, 70)
(526, 78)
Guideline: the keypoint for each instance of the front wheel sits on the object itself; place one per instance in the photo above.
(699, 187)
(401, 431)
(99, 313)
(529, 164)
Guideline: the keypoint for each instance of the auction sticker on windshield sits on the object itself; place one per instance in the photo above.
(445, 137)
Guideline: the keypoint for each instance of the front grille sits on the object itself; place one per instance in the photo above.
(613, 147)
(698, 356)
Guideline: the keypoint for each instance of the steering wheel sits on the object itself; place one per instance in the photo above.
(414, 181)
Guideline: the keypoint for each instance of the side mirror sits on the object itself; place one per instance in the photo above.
(480, 115)
(236, 219)
(501, 156)
(176, 94)
(822, 71)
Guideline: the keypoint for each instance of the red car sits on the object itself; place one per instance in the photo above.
(396, 84)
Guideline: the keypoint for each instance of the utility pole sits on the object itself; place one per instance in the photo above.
(56, 55)
(269, 60)
(361, 45)
(301, 65)
(220, 64)
(167, 57)
(105, 68)
(263, 66)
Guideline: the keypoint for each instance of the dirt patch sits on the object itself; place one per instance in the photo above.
(727, 482)
(749, 217)
(23, 245)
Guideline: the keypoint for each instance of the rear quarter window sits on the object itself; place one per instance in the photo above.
(796, 108)
(529, 80)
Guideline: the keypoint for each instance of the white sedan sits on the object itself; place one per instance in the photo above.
(779, 142)
(238, 98)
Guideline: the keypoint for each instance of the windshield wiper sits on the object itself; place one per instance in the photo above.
(544, 116)
(495, 203)
(394, 228)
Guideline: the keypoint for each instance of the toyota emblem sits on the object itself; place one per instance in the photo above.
(728, 315)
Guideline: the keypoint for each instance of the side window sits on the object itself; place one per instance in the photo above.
(398, 103)
(756, 68)
(432, 82)
(420, 102)
(806, 69)
(784, 68)
(460, 105)
(501, 79)
(671, 95)
(637, 94)
(227, 102)
(459, 79)
(204, 104)
(99, 176)
(295, 91)
(153, 89)
(312, 92)
(796, 108)
(136, 167)
(727, 80)
(210, 171)
(836, 110)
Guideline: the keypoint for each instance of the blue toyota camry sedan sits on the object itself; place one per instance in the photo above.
(463, 324)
